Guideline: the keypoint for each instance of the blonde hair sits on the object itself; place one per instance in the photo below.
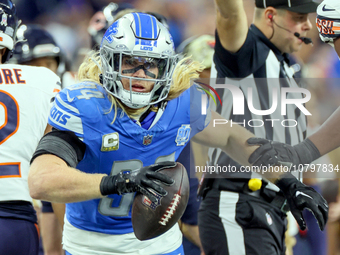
(185, 71)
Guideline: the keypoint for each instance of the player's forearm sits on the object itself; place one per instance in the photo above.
(327, 138)
(237, 146)
(52, 180)
(231, 138)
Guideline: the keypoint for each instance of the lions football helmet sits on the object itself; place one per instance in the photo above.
(8, 27)
(140, 41)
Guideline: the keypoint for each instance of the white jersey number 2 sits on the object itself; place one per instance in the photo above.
(8, 127)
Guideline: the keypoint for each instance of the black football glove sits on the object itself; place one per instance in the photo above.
(300, 197)
(142, 180)
(272, 153)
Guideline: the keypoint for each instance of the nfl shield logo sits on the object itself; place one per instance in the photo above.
(153, 205)
(147, 139)
(269, 219)
(146, 201)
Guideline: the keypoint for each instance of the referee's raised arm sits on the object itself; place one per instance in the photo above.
(232, 25)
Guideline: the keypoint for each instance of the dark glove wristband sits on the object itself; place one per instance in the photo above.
(307, 151)
(108, 185)
(286, 182)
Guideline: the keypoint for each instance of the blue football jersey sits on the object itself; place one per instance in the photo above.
(111, 147)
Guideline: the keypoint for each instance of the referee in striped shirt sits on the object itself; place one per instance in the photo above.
(241, 214)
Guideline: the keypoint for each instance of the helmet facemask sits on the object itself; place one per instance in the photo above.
(121, 69)
(136, 69)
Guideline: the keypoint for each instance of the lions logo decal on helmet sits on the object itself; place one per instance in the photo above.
(137, 37)
(111, 32)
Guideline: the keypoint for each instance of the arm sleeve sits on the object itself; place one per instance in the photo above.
(65, 115)
(198, 121)
(63, 144)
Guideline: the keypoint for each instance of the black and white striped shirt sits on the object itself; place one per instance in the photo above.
(258, 65)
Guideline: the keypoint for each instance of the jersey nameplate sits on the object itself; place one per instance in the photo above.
(11, 76)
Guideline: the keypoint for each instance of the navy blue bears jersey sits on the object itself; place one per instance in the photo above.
(111, 147)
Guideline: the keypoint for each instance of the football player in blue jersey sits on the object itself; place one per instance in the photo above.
(130, 116)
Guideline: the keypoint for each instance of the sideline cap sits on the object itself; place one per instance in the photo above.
(299, 6)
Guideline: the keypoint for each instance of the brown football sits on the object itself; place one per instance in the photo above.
(150, 219)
